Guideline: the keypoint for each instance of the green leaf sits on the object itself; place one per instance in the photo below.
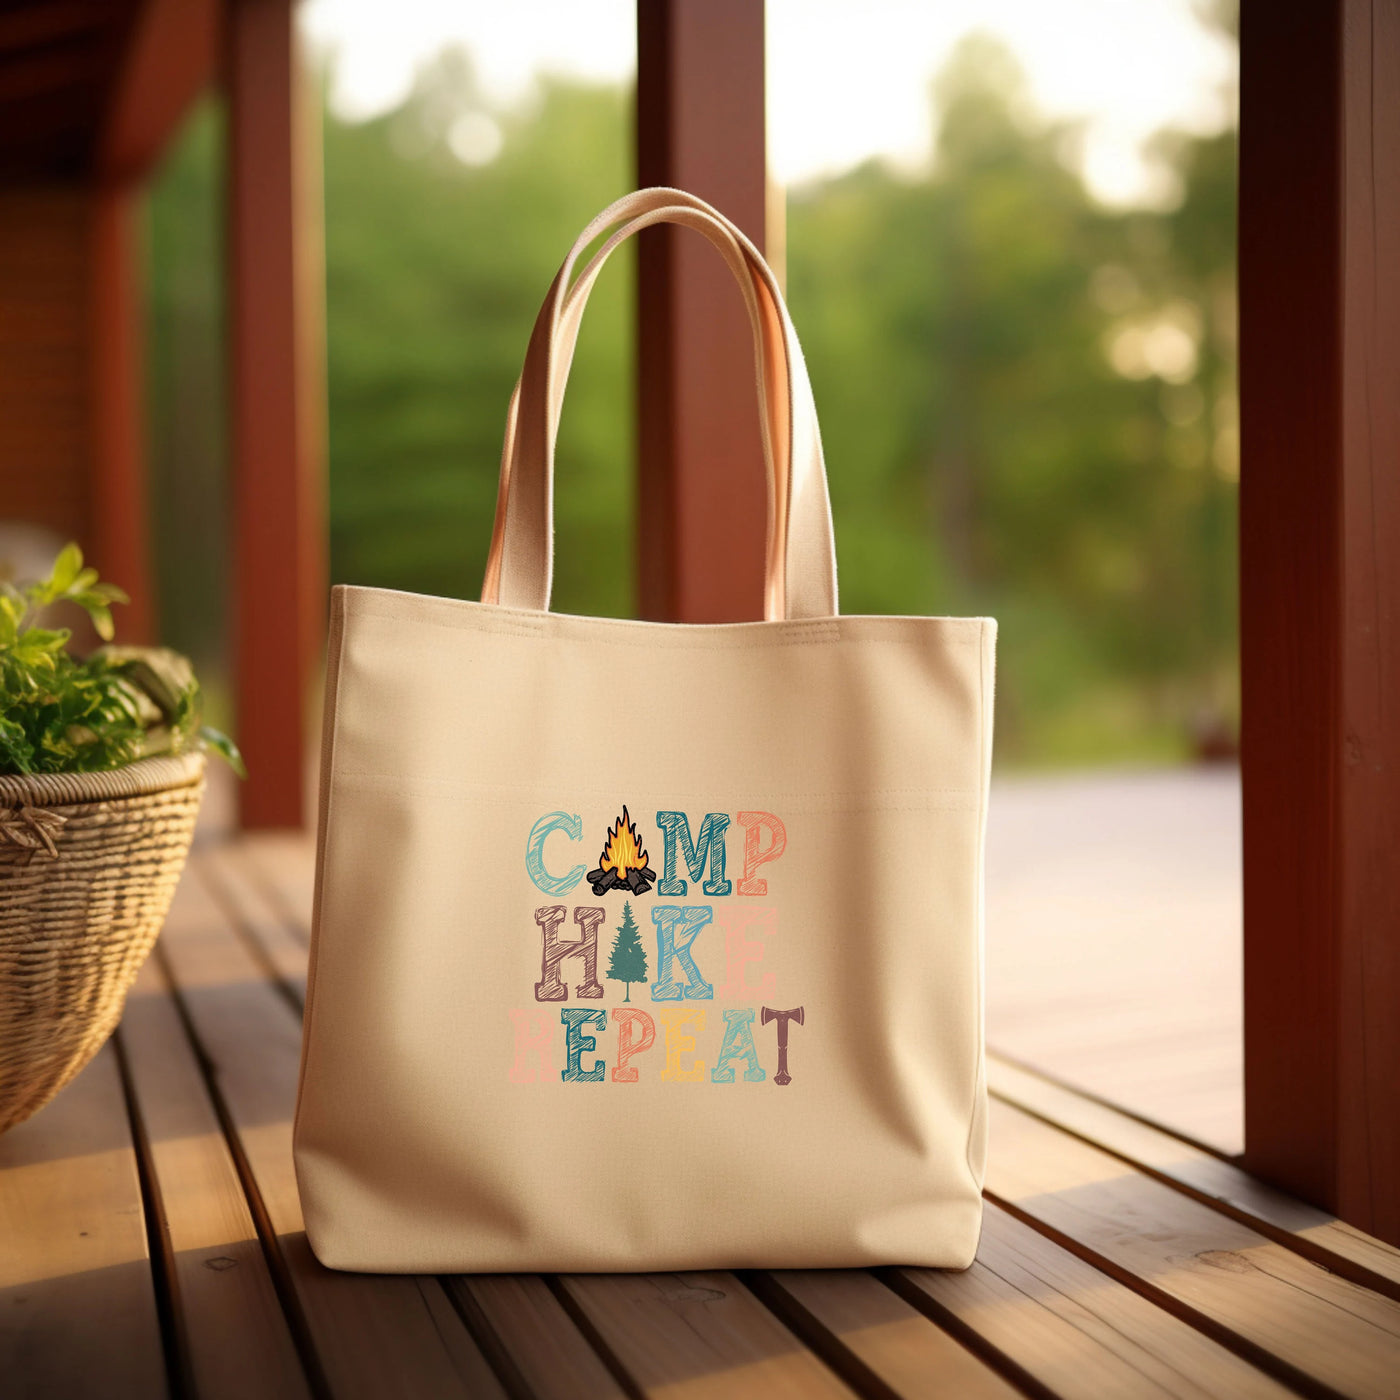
(10, 614)
(65, 569)
(224, 746)
(37, 640)
(60, 714)
(16, 752)
(164, 675)
(95, 605)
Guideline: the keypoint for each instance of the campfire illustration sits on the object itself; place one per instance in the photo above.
(624, 864)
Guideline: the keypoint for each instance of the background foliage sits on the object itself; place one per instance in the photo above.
(1027, 399)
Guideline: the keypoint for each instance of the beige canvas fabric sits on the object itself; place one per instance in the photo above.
(487, 1081)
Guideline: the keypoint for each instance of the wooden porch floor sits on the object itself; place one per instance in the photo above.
(151, 1243)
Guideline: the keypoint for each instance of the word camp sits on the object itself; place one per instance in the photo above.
(694, 861)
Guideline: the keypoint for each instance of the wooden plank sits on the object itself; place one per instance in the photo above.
(687, 1336)
(1320, 573)
(233, 1338)
(702, 502)
(1065, 1329)
(284, 867)
(1138, 873)
(868, 1333)
(1283, 1312)
(224, 870)
(539, 1346)
(1337, 1246)
(372, 1334)
(77, 1304)
(277, 398)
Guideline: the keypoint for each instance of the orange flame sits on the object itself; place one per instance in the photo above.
(623, 849)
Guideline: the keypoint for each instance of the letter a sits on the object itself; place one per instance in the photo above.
(676, 928)
(738, 1045)
(551, 986)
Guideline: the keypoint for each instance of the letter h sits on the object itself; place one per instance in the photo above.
(551, 986)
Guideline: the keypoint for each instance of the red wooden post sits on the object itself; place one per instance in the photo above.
(276, 394)
(702, 500)
(1320, 600)
(166, 61)
(120, 537)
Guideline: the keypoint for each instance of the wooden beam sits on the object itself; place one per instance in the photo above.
(57, 22)
(1320, 600)
(119, 533)
(702, 499)
(168, 60)
(46, 359)
(277, 397)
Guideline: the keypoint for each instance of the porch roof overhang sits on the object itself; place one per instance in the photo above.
(95, 88)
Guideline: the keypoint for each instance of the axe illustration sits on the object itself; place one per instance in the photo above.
(782, 1018)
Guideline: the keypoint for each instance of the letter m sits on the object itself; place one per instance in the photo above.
(707, 848)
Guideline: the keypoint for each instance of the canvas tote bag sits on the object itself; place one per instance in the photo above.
(640, 945)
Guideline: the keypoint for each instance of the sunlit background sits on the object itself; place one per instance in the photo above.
(1007, 234)
(1009, 253)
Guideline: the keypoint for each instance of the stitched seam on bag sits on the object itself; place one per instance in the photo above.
(980, 1065)
(811, 807)
(334, 694)
(684, 640)
(524, 790)
(961, 632)
(386, 602)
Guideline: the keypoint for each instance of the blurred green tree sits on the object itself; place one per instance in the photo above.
(435, 271)
(1014, 384)
(185, 395)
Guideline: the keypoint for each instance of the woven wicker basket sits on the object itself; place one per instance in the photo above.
(88, 865)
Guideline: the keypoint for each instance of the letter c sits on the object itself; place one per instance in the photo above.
(572, 827)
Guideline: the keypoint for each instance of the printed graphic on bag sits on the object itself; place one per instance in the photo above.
(568, 942)
(624, 863)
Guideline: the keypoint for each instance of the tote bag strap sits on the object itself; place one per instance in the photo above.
(800, 558)
(775, 433)
(773, 394)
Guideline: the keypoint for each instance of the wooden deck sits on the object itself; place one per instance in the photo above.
(1115, 939)
(151, 1243)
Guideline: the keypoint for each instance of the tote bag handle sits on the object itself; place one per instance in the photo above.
(800, 564)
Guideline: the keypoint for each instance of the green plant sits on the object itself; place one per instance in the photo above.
(60, 713)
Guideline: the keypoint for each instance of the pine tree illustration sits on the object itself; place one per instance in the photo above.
(628, 963)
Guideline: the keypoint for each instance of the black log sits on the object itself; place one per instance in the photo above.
(602, 880)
